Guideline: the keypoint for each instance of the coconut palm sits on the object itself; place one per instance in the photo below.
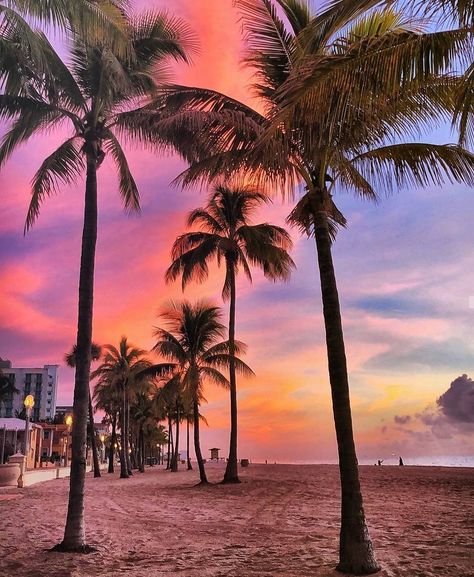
(228, 235)
(97, 95)
(70, 359)
(122, 369)
(340, 99)
(192, 341)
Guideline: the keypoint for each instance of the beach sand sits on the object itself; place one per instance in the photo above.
(282, 520)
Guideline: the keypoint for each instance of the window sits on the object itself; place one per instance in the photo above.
(46, 435)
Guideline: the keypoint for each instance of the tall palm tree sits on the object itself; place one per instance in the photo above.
(338, 95)
(192, 341)
(228, 235)
(70, 359)
(122, 369)
(97, 95)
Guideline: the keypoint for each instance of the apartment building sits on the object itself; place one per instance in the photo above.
(42, 383)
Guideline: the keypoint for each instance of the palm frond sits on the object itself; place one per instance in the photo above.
(64, 165)
(415, 164)
(34, 117)
(214, 376)
(127, 185)
(192, 265)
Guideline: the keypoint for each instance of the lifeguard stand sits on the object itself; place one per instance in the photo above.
(214, 454)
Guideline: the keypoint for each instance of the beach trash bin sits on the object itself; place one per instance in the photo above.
(244, 462)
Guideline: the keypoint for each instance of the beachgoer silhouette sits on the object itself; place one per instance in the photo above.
(400, 462)
(379, 462)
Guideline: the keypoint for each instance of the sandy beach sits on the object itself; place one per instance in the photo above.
(282, 520)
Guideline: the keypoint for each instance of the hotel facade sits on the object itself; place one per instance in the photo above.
(42, 383)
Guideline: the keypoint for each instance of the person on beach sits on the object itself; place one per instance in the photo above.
(400, 462)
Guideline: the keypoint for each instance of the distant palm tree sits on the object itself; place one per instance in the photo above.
(100, 93)
(122, 369)
(228, 235)
(142, 415)
(108, 399)
(70, 359)
(192, 342)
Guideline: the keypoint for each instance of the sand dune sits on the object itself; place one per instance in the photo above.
(282, 520)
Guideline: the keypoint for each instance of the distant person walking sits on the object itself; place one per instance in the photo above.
(379, 462)
(400, 462)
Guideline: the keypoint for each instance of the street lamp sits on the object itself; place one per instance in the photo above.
(68, 421)
(29, 403)
(102, 440)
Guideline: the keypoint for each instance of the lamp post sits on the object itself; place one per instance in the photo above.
(29, 403)
(102, 440)
(68, 421)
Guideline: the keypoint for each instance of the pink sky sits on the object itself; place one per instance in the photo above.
(404, 268)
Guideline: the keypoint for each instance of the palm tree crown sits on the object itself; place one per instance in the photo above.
(98, 95)
(227, 235)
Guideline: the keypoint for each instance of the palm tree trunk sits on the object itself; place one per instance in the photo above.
(143, 450)
(113, 442)
(133, 453)
(141, 443)
(231, 472)
(127, 434)
(190, 467)
(95, 454)
(74, 532)
(197, 444)
(123, 460)
(170, 441)
(355, 549)
(174, 461)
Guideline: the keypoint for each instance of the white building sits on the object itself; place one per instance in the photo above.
(42, 383)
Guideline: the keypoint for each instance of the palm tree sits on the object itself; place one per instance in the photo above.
(97, 95)
(192, 342)
(70, 359)
(337, 96)
(122, 370)
(227, 234)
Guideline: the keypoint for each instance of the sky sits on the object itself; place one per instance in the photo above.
(404, 268)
